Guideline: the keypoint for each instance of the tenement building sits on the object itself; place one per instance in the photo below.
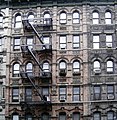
(58, 60)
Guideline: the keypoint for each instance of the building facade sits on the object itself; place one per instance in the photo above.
(59, 60)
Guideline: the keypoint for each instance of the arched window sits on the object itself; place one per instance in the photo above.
(16, 67)
(29, 68)
(109, 65)
(95, 17)
(96, 65)
(45, 116)
(15, 116)
(1, 20)
(31, 18)
(47, 18)
(76, 116)
(63, 17)
(46, 67)
(62, 116)
(76, 17)
(108, 17)
(76, 66)
(62, 65)
(18, 21)
(97, 116)
(110, 115)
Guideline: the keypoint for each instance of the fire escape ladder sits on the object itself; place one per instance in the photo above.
(35, 31)
(41, 96)
(32, 54)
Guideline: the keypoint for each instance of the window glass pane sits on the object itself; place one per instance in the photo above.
(15, 117)
(110, 115)
(107, 15)
(76, 116)
(95, 15)
(28, 94)
(110, 89)
(17, 43)
(62, 42)
(18, 22)
(62, 90)
(97, 116)
(75, 17)
(62, 116)
(96, 64)
(62, 65)
(96, 89)
(29, 66)
(45, 91)
(63, 17)
(76, 66)
(46, 40)
(46, 67)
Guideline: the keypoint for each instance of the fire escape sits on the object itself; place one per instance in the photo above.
(33, 79)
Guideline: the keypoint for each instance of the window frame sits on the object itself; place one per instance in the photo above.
(16, 71)
(110, 92)
(76, 68)
(96, 40)
(76, 94)
(110, 40)
(108, 115)
(29, 68)
(76, 43)
(76, 117)
(99, 114)
(65, 65)
(74, 18)
(63, 92)
(47, 18)
(18, 21)
(28, 94)
(29, 41)
(108, 18)
(109, 69)
(62, 114)
(15, 96)
(63, 42)
(95, 19)
(95, 66)
(47, 66)
(97, 95)
(16, 47)
(62, 19)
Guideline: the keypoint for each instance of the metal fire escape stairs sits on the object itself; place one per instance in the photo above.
(26, 48)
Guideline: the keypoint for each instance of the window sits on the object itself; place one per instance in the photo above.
(16, 70)
(31, 18)
(1, 20)
(28, 117)
(63, 18)
(110, 115)
(46, 67)
(96, 65)
(109, 66)
(108, 18)
(97, 92)
(109, 41)
(63, 42)
(29, 69)
(45, 116)
(76, 93)
(15, 117)
(62, 65)
(62, 93)
(46, 39)
(95, 17)
(110, 92)
(45, 93)
(16, 44)
(76, 116)
(18, 21)
(76, 17)
(15, 94)
(47, 20)
(28, 94)
(96, 43)
(96, 116)
(76, 66)
(62, 116)
(30, 42)
(76, 41)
